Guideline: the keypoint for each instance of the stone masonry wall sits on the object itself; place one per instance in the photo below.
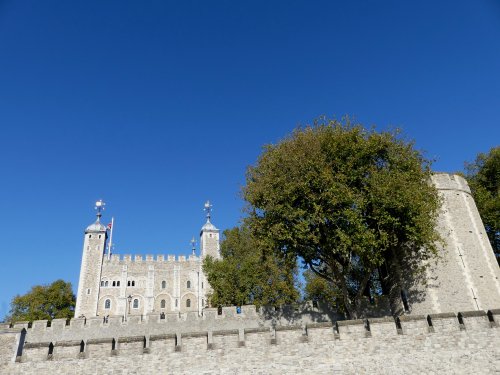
(467, 276)
(449, 343)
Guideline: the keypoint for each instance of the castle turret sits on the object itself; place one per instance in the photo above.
(467, 276)
(90, 272)
(209, 236)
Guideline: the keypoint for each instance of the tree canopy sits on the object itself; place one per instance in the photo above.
(483, 176)
(345, 199)
(248, 275)
(43, 302)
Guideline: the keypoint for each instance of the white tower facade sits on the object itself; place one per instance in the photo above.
(127, 285)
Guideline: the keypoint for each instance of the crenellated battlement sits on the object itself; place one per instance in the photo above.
(149, 258)
(253, 331)
(450, 181)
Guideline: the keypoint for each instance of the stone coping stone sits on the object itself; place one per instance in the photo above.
(474, 313)
(495, 311)
(257, 330)
(225, 332)
(341, 323)
(409, 318)
(320, 325)
(387, 319)
(22, 324)
(41, 322)
(11, 330)
(162, 336)
(33, 345)
(195, 334)
(288, 328)
(443, 315)
(68, 343)
(131, 339)
(100, 341)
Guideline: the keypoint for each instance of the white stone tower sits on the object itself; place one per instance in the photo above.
(91, 268)
(467, 276)
(209, 236)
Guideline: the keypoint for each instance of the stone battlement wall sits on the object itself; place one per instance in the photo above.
(445, 343)
(59, 330)
(138, 258)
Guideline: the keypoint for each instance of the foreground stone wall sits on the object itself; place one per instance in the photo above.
(449, 343)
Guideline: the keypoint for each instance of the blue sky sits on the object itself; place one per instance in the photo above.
(156, 106)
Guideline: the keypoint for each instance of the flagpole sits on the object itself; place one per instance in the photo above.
(111, 237)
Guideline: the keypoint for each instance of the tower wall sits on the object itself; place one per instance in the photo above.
(209, 240)
(90, 271)
(467, 276)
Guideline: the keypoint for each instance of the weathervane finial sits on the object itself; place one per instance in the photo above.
(208, 208)
(193, 247)
(99, 206)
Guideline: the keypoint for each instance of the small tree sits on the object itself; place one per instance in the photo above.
(248, 275)
(483, 175)
(44, 302)
(317, 288)
(345, 200)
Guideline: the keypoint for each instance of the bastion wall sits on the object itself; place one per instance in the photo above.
(264, 341)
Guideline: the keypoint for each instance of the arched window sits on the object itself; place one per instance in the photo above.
(133, 283)
(128, 283)
(106, 283)
(202, 285)
(90, 236)
(136, 303)
(107, 304)
(51, 349)
(188, 284)
(114, 283)
(102, 283)
(162, 304)
(188, 303)
(163, 284)
(118, 283)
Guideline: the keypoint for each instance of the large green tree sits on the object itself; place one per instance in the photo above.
(43, 302)
(248, 275)
(345, 200)
(483, 175)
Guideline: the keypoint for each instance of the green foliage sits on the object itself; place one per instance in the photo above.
(248, 275)
(319, 289)
(483, 176)
(43, 302)
(345, 200)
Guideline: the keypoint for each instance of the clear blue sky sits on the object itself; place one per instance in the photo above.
(156, 106)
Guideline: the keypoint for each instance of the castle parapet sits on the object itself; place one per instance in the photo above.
(447, 181)
(235, 328)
